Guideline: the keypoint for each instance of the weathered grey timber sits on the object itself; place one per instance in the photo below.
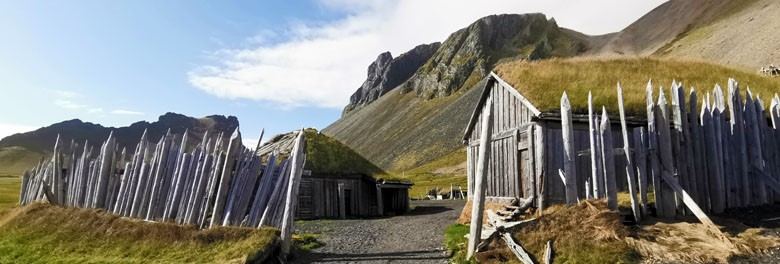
(738, 133)
(516, 248)
(629, 162)
(652, 149)
(478, 203)
(568, 151)
(596, 164)
(225, 178)
(665, 155)
(609, 160)
(641, 146)
(298, 160)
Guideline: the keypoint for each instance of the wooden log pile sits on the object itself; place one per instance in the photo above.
(213, 184)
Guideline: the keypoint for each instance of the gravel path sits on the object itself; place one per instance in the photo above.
(415, 237)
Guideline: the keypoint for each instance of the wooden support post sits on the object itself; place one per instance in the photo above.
(664, 145)
(478, 199)
(716, 191)
(738, 134)
(597, 172)
(380, 207)
(694, 208)
(569, 153)
(640, 146)
(609, 160)
(298, 160)
(342, 202)
(652, 148)
(226, 178)
(629, 161)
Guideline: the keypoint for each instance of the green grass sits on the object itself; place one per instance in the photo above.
(9, 192)
(327, 155)
(543, 82)
(456, 242)
(42, 233)
(15, 160)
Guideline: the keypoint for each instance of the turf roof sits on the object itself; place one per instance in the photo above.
(543, 82)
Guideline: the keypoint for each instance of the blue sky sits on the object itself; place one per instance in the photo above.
(278, 65)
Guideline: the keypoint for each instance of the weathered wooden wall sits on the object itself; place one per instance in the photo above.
(510, 124)
(319, 196)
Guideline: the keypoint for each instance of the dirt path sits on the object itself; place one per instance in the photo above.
(415, 237)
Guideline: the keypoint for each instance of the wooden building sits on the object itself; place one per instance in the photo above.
(337, 182)
(527, 148)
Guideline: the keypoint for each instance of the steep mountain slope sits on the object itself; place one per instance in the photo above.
(736, 33)
(387, 72)
(20, 151)
(402, 130)
(749, 37)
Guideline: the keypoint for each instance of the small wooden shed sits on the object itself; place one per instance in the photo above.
(527, 149)
(337, 182)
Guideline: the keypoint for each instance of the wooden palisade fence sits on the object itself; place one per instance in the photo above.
(725, 155)
(212, 185)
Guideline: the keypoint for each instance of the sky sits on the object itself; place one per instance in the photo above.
(276, 65)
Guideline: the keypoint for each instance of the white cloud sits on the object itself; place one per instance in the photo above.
(68, 104)
(321, 64)
(66, 94)
(10, 129)
(125, 112)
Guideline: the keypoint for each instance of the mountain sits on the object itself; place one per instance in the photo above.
(20, 151)
(740, 34)
(387, 72)
(468, 54)
(405, 129)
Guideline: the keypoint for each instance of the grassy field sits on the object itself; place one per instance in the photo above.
(9, 192)
(42, 233)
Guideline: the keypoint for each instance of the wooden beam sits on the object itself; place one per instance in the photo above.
(478, 203)
(597, 172)
(693, 207)
(516, 248)
(629, 161)
(569, 153)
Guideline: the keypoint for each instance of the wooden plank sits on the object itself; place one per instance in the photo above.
(226, 178)
(609, 161)
(478, 203)
(664, 145)
(539, 160)
(569, 153)
(629, 162)
(738, 133)
(516, 248)
(548, 252)
(679, 143)
(701, 180)
(640, 147)
(298, 161)
(715, 185)
(597, 171)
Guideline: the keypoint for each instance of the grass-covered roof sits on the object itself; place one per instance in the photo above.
(324, 155)
(543, 82)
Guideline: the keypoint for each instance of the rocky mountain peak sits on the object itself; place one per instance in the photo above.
(386, 73)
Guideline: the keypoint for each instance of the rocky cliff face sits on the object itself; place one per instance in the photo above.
(469, 54)
(387, 73)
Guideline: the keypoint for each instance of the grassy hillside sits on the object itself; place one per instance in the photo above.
(441, 172)
(543, 82)
(15, 160)
(402, 131)
(41, 233)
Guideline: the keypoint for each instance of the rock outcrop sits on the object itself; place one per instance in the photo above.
(387, 73)
(469, 54)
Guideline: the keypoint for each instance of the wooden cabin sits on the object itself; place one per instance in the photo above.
(527, 149)
(337, 182)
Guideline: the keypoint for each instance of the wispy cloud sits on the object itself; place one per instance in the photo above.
(125, 112)
(68, 104)
(66, 94)
(321, 63)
